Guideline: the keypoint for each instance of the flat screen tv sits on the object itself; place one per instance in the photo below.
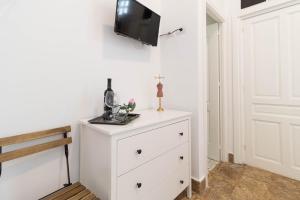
(136, 21)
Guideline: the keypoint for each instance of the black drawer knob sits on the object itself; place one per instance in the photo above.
(139, 185)
(182, 182)
(181, 134)
(181, 157)
(139, 151)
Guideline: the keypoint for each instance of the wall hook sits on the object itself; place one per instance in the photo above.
(172, 32)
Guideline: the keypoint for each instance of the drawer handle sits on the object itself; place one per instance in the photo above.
(139, 185)
(181, 157)
(181, 134)
(139, 151)
(182, 182)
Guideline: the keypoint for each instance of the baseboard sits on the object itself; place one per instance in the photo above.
(199, 186)
(230, 158)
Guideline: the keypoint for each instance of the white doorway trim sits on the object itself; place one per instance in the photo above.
(213, 85)
(238, 121)
(213, 13)
(225, 87)
(268, 6)
(238, 74)
(220, 19)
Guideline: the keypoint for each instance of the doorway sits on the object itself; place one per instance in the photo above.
(213, 92)
(271, 96)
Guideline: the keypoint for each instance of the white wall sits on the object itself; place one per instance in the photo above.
(181, 57)
(55, 57)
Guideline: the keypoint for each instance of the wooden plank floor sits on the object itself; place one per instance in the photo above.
(75, 191)
(240, 182)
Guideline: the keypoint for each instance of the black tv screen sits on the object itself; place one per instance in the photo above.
(137, 21)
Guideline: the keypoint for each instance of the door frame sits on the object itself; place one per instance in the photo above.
(219, 148)
(213, 12)
(238, 73)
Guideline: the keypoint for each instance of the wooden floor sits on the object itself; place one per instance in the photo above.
(235, 182)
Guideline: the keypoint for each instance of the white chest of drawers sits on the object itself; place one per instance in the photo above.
(149, 159)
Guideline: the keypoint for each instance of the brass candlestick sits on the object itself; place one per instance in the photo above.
(160, 93)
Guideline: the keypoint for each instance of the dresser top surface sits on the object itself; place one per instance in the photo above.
(147, 118)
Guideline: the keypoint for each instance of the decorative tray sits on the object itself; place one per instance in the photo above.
(101, 120)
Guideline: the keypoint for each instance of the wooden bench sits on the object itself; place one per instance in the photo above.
(69, 191)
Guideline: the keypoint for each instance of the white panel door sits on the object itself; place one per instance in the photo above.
(213, 92)
(271, 60)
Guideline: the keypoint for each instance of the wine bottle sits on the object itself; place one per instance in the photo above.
(111, 97)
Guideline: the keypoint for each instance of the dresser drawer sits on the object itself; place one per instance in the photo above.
(160, 179)
(139, 149)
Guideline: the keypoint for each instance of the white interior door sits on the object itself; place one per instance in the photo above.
(213, 92)
(271, 59)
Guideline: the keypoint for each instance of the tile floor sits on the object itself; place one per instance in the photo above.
(240, 182)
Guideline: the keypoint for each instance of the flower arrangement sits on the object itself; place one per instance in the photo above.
(127, 108)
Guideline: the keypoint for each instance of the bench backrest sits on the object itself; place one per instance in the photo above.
(19, 139)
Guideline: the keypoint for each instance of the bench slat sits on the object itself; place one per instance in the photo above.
(33, 136)
(75, 191)
(61, 192)
(89, 197)
(71, 193)
(33, 149)
(80, 195)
